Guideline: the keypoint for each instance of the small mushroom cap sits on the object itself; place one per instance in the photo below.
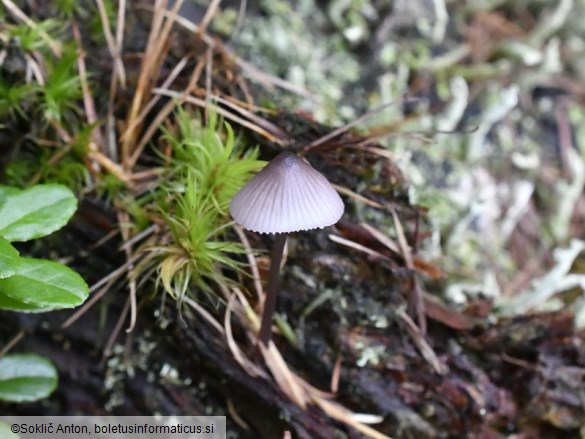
(287, 195)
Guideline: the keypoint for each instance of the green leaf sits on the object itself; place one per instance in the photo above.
(7, 190)
(36, 212)
(45, 284)
(10, 304)
(26, 377)
(9, 259)
(6, 432)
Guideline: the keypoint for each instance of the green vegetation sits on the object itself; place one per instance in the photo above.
(463, 184)
(40, 89)
(33, 285)
(208, 167)
(28, 284)
(26, 377)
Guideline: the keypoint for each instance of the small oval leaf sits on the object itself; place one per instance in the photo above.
(26, 377)
(45, 284)
(36, 212)
(9, 259)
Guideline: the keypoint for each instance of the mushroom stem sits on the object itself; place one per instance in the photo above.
(272, 291)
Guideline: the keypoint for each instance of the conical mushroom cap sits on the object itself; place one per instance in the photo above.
(287, 195)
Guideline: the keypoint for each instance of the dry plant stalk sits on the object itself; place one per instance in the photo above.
(296, 389)
(154, 54)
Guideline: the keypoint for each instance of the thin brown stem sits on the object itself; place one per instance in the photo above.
(272, 290)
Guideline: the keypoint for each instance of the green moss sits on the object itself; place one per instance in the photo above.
(208, 167)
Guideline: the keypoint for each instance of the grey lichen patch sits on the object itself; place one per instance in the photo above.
(369, 355)
(293, 43)
(116, 375)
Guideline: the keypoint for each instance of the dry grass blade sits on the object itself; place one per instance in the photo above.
(336, 374)
(285, 379)
(263, 123)
(404, 247)
(425, 349)
(231, 408)
(384, 153)
(140, 118)
(106, 280)
(209, 14)
(419, 264)
(154, 54)
(204, 313)
(336, 411)
(113, 47)
(261, 77)
(251, 262)
(313, 391)
(350, 125)
(417, 301)
(92, 301)
(123, 219)
(112, 167)
(251, 317)
(88, 101)
(383, 238)
(120, 24)
(167, 109)
(358, 247)
(250, 368)
(269, 81)
(201, 103)
(139, 236)
(357, 196)
(33, 69)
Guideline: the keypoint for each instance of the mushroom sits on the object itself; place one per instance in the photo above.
(287, 195)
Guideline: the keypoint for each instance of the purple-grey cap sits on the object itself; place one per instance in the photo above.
(287, 195)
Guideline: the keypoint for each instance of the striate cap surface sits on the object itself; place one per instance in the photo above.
(287, 195)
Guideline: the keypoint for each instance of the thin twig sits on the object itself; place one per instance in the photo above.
(358, 197)
(381, 237)
(416, 293)
(350, 125)
(166, 110)
(106, 280)
(261, 122)
(358, 247)
(172, 76)
(201, 103)
(13, 342)
(156, 47)
(260, 76)
(117, 329)
(204, 313)
(419, 340)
